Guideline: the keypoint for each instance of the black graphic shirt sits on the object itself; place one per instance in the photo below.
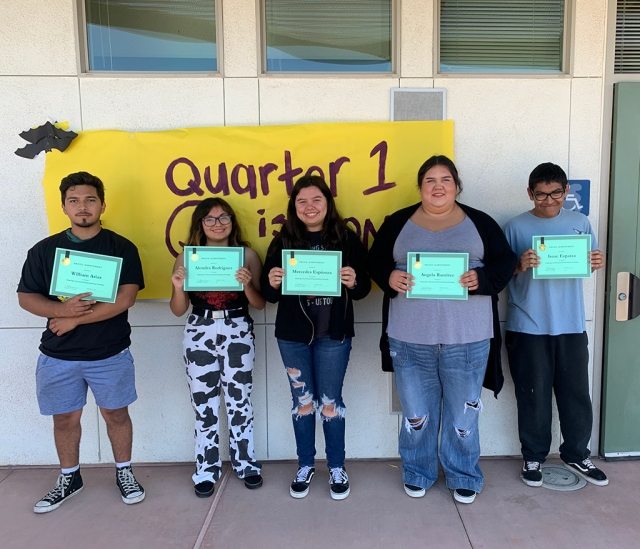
(318, 308)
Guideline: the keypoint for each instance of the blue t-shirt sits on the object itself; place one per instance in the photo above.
(545, 307)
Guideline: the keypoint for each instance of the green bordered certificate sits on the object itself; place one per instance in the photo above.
(437, 275)
(565, 256)
(212, 268)
(79, 272)
(311, 272)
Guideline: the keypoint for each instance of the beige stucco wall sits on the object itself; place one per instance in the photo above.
(504, 127)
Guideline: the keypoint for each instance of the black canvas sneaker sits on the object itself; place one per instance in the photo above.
(300, 485)
(130, 490)
(66, 486)
(589, 472)
(338, 483)
(531, 474)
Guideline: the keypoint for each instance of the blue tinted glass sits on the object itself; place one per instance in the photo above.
(328, 36)
(166, 35)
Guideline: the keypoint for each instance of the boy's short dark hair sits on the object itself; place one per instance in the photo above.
(81, 178)
(547, 173)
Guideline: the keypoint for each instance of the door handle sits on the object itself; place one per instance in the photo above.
(627, 296)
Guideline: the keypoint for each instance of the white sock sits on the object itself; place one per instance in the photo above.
(123, 464)
(70, 470)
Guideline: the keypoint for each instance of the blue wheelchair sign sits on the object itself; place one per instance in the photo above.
(578, 197)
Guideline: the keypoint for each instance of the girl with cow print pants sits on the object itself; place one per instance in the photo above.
(219, 350)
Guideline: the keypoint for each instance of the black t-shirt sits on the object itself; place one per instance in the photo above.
(96, 340)
(318, 308)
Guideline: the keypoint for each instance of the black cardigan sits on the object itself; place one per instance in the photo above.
(291, 322)
(499, 264)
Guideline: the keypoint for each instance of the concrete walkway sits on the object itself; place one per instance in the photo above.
(377, 514)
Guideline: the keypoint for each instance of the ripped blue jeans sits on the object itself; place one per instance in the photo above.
(316, 374)
(437, 381)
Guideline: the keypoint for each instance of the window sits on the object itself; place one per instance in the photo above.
(328, 36)
(163, 35)
(627, 56)
(502, 36)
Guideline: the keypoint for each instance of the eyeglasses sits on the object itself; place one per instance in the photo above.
(211, 221)
(541, 197)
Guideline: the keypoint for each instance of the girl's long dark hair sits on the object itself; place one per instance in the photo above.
(196, 233)
(294, 232)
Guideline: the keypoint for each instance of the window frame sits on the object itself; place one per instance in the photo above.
(82, 51)
(567, 44)
(262, 51)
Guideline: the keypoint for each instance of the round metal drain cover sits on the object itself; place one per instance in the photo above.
(556, 477)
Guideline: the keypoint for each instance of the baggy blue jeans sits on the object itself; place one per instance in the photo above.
(316, 374)
(437, 381)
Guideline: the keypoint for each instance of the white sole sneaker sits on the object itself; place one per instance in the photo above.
(50, 508)
(298, 495)
(464, 499)
(415, 493)
(340, 496)
(585, 477)
(136, 499)
(534, 483)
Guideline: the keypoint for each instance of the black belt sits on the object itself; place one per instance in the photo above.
(231, 313)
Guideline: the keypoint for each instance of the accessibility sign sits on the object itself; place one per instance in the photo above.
(578, 198)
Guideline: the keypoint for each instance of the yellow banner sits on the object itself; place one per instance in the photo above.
(153, 180)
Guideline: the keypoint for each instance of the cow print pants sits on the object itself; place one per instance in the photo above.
(219, 353)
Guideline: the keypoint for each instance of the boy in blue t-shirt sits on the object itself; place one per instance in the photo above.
(546, 339)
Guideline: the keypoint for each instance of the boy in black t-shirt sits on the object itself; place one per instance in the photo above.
(85, 343)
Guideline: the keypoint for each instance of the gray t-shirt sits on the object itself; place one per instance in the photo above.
(440, 321)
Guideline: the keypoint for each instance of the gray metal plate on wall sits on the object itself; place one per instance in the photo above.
(557, 477)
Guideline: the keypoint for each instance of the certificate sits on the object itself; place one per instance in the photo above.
(565, 256)
(212, 268)
(80, 272)
(437, 275)
(311, 272)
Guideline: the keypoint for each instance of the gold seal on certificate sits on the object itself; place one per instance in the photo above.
(80, 272)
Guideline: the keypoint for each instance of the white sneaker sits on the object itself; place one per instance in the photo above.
(463, 495)
(414, 491)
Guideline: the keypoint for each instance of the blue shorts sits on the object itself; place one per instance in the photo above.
(61, 385)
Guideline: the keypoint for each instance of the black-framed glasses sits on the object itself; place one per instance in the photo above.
(541, 197)
(211, 221)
